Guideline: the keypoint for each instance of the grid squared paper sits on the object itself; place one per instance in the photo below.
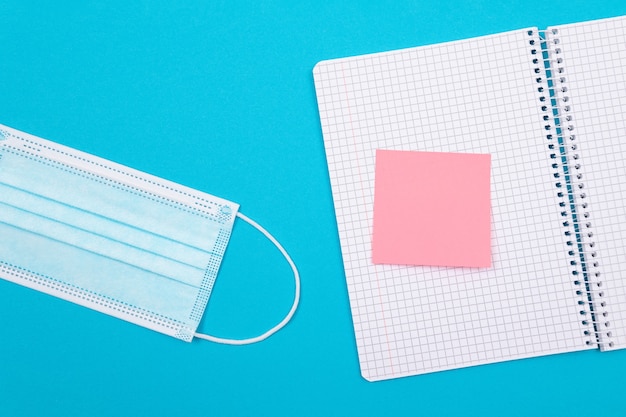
(594, 61)
(478, 95)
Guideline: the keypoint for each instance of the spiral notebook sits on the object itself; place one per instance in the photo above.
(548, 106)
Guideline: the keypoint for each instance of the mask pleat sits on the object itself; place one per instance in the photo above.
(94, 246)
(80, 269)
(101, 225)
(47, 210)
(98, 245)
(107, 199)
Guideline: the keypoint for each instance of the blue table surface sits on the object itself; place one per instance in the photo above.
(219, 96)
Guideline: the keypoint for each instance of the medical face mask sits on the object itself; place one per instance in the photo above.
(113, 239)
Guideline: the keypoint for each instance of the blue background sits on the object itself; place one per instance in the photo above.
(219, 96)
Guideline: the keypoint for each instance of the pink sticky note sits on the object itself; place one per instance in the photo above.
(432, 208)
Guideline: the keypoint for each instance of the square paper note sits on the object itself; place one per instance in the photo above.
(432, 208)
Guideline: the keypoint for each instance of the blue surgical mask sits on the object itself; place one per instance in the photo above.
(111, 238)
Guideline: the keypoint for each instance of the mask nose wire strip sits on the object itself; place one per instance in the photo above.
(296, 298)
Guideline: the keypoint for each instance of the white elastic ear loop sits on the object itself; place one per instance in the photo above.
(289, 315)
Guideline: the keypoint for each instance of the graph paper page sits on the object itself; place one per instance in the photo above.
(594, 61)
(477, 96)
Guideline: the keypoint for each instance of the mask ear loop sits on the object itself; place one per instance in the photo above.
(294, 306)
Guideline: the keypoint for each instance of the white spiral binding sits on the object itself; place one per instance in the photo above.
(574, 199)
